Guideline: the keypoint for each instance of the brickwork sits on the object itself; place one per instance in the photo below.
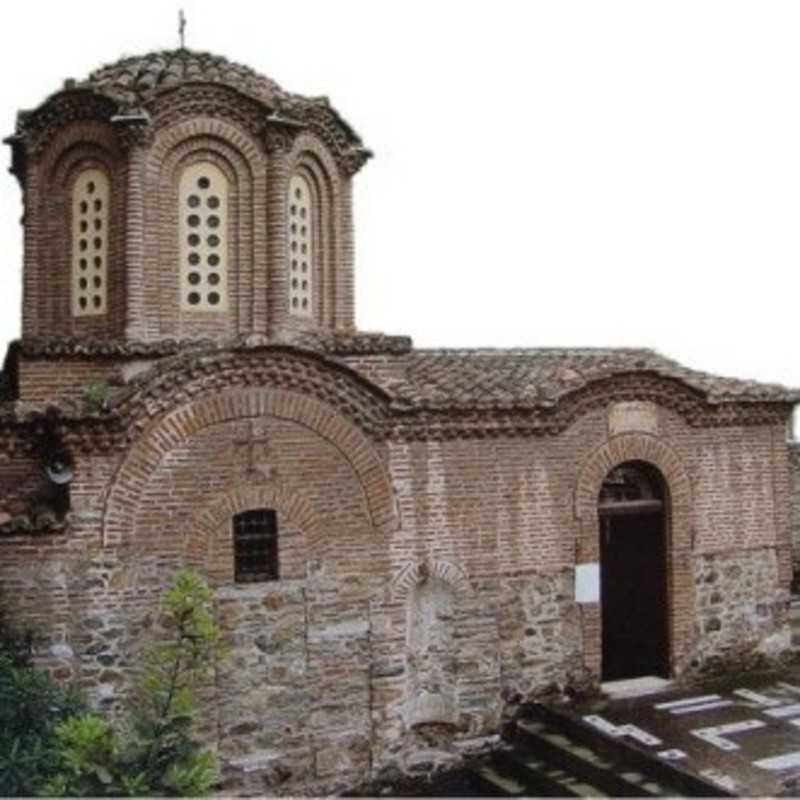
(200, 124)
(40, 382)
(432, 506)
(48, 259)
(365, 526)
(794, 510)
(680, 584)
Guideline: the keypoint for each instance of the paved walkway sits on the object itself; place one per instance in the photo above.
(742, 734)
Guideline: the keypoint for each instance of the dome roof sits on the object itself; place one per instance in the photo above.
(134, 86)
(133, 80)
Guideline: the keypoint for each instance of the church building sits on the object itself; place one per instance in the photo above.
(404, 543)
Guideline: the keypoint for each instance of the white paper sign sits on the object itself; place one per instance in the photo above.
(587, 583)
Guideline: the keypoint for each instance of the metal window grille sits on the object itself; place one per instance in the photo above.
(255, 546)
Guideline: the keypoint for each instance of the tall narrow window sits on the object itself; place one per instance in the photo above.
(203, 242)
(90, 199)
(255, 546)
(301, 241)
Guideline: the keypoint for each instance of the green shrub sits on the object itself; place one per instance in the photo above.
(15, 643)
(31, 707)
(90, 763)
(158, 754)
(165, 699)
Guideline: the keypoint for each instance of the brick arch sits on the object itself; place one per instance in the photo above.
(242, 159)
(81, 145)
(631, 447)
(61, 111)
(180, 378)
(431, 648)
(308, 147)
(680, 580)
(82, 154)
(296, 508)
(93, 134)
(414, 572)
(177, 426)
(310, 155)
(170, 136)
(325, 203)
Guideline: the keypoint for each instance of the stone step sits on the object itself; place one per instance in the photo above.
(611, 764)
(495, 783)
(541, 778)
(584, 761)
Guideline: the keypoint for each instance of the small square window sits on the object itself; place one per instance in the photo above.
(255, 546)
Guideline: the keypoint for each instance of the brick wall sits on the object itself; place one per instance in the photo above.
(794, 461)
(333, 667)
(48, 232)
(144, 171)
(41, 381)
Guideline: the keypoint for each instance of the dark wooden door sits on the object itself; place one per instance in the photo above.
(633, 595)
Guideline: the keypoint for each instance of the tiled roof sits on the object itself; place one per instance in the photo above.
(133, 80)
(130, 91)
(433, 379)
(539, 377)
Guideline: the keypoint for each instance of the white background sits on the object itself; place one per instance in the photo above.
(557, 173)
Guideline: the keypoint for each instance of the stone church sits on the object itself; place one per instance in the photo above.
(404, 543)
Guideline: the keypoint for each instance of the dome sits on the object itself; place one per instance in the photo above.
(135, 86)
(224, 199)
(133, 80)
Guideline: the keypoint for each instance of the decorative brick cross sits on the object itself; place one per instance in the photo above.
(254, 468)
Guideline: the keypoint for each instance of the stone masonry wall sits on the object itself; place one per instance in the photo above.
(293, 701)
(740, 609)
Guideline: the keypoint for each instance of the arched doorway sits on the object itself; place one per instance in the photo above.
(633, 514)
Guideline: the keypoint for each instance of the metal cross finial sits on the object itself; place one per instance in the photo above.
(182, 28)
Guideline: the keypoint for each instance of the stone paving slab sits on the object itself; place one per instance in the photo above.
(742, 734)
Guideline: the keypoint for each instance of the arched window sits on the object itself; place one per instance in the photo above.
(255, 546)
(90, 199)
(301, 243)
(203, 238)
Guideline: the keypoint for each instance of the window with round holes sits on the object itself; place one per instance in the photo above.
(301, 246)
(203, 238)
(91, 195)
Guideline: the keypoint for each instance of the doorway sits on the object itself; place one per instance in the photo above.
(633, 572)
